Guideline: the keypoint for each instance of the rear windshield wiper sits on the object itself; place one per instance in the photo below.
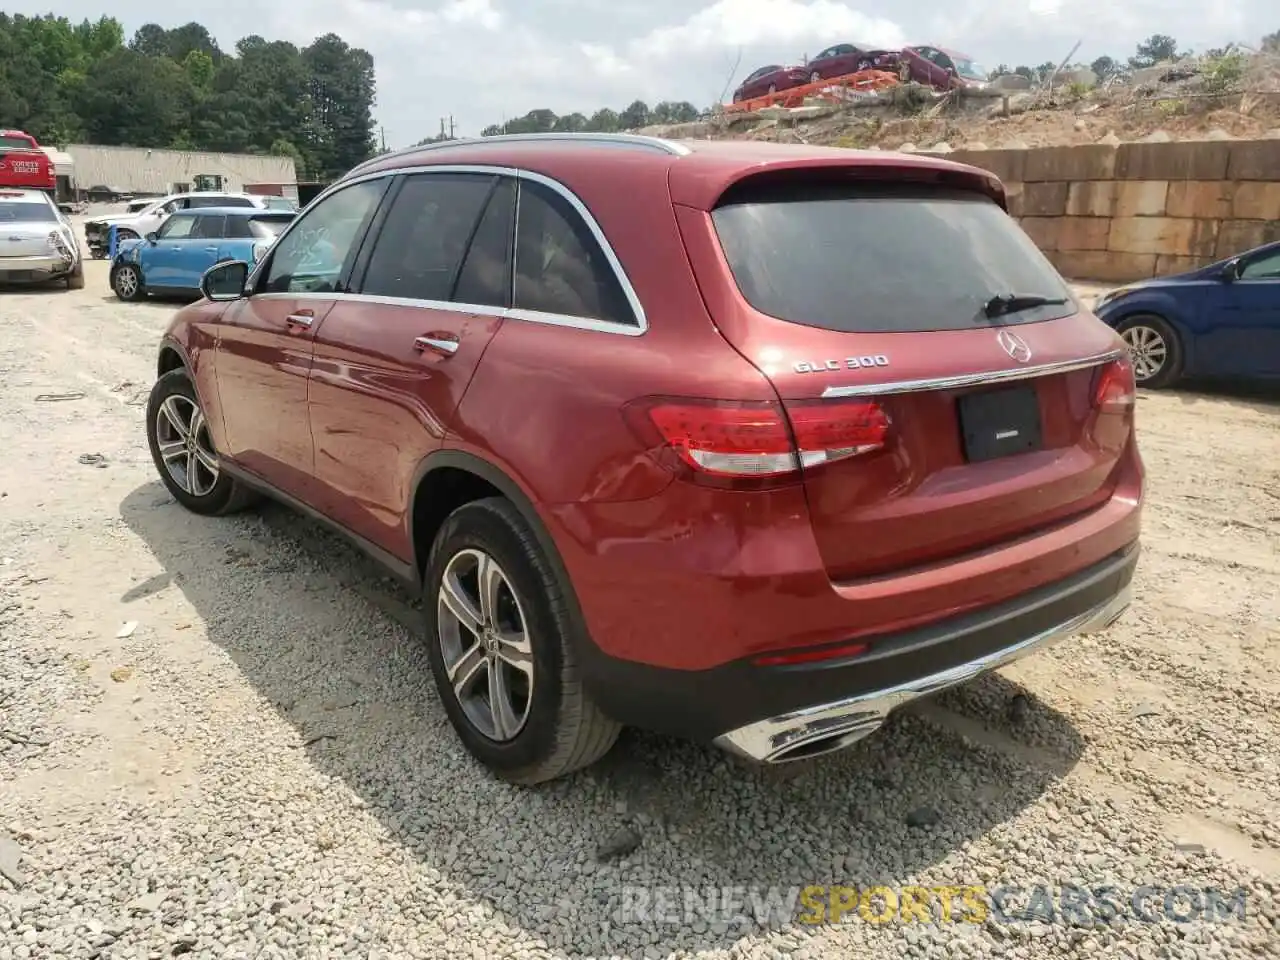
(1003, 304)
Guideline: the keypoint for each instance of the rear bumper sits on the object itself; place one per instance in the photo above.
(35, 269)
(779, 713)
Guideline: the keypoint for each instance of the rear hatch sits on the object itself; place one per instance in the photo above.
(22, 165)
(933, 416)
(25, 228)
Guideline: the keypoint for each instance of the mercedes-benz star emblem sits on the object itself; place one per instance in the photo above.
(1014, 346)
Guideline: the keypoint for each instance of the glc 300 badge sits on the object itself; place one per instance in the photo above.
(848, 363)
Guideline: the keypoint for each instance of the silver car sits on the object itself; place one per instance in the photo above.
(37, 244)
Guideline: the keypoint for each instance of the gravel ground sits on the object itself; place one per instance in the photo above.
(219, 738)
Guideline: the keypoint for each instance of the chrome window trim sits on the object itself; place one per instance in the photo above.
(531, 316)
(962, 380)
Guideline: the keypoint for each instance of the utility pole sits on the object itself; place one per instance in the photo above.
(382, 133)
(452, 128)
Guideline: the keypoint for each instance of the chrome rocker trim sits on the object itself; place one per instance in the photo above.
(826, 727)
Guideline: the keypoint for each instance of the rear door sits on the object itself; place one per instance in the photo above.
(393, 361)
(865, 305)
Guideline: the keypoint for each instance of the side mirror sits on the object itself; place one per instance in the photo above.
(225, 281)
(151, 238)
(1230, 271)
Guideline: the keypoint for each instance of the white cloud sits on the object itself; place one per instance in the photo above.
(483, 60)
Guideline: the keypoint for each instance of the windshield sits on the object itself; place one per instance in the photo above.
(269, 227)
(27, 212)
(21, 143)
(971, 70)
(882, 258)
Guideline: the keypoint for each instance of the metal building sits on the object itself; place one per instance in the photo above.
(140, 170)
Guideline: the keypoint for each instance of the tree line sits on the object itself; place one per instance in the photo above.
(637, 115)
(66, 82)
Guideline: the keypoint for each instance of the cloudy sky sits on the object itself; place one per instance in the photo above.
(483, 60)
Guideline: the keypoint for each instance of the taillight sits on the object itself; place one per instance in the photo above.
(737, 443)
(1114, 388)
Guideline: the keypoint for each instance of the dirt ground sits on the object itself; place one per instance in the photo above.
(167, 680)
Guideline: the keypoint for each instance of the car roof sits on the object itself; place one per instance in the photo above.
(256, 212)
(698, 171)
(19, 195)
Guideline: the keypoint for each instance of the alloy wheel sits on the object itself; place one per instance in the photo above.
(1147, 349)
(485, 644)
(126, 282)
(182, 437)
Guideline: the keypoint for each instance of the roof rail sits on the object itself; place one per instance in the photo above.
(635, 140)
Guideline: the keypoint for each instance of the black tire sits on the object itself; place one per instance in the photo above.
(563, 730)
(864, 65)
(815, 77)
(1170, 367)
(75, 279)
(221, 496)
(773, 88)
(127, 292)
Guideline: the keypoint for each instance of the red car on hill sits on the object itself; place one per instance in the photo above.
(846, 58)
(698, 437)
(940, 68)
(770, 79)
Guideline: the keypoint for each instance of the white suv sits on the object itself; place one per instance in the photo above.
(136, 225)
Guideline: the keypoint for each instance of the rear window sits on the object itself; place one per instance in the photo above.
(268, 227)
(27, 212)
(20, 143)
(881, 258)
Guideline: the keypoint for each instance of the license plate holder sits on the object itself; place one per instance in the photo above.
(1000, 423)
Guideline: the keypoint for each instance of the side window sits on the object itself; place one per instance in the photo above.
(173, 205)
(232, 202)
(310, 259)
(420, 247)
(1262, 268)
(485, 278)
(560, 268)
(176, 228)
(208, 227)
(237, 228)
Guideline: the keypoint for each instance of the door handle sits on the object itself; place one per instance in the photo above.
(210, 249)
(299, 320)
(448, 347)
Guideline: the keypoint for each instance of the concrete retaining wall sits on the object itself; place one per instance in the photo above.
(1138, 210)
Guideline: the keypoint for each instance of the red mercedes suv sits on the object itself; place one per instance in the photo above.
(742, 442)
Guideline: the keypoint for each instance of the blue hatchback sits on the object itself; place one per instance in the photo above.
(174, 258)
(1222, 320)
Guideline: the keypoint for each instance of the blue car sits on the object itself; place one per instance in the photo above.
(1222, 320)
(172, 260)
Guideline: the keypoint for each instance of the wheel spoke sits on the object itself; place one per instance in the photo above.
(192, 476)
(463, 672)
(455, 599)
(170, 410)
(506, 723)
(489, 580)
(172, 450)
(515, 650)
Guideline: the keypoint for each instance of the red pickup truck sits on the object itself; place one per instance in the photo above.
(23, 163)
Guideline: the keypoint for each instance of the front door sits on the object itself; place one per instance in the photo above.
(266, 339)
(393, 360)
(1245, 336)
(169, 249)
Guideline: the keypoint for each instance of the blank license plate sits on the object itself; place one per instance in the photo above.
(998, 423)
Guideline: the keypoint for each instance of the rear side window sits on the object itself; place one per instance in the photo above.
(420, 248)
(882, 258)
(237, 228)
(560, 268)
(209, 227)
(485, 278)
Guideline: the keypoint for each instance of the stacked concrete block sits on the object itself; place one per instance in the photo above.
(1136, 210)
